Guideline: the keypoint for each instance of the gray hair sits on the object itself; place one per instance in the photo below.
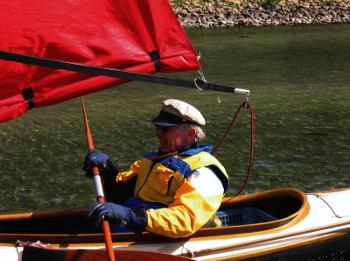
(200, 134)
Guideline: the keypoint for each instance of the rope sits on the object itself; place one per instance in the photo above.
(244, 104)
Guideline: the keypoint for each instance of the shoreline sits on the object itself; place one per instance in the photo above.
(233, 13)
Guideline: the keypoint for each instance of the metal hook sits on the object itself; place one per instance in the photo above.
(246, 100)
(195, 83)
(201, 74)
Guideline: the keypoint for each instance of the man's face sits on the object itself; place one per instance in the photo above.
(174, 138)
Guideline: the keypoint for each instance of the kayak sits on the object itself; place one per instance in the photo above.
(54, 51)
(283, 223)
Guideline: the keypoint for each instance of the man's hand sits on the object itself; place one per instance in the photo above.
(95, 159)
(134, 219)
(100, 160)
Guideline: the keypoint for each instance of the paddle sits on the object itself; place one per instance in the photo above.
(98, 188)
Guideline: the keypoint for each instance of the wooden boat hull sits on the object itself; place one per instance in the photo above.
(303, 223)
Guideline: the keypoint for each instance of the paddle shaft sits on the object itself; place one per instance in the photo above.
(98, 188)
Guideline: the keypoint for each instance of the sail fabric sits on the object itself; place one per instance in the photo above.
(133, 35)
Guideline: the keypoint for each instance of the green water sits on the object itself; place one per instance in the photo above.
(299, 79)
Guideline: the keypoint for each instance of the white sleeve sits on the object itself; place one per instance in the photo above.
(205, 181)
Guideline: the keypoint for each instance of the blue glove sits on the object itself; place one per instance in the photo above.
(133, 219)
(100, 160)
(95, 159)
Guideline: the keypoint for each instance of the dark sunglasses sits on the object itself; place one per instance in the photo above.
(164, 128)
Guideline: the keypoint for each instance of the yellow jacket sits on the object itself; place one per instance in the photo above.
(162, 179)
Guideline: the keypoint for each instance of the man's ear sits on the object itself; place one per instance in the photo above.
(192, 133)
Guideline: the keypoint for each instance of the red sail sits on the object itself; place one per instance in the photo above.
(119, 34)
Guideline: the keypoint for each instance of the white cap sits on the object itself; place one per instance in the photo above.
(176, 112)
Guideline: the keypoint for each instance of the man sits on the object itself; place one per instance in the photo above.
(178, 188)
